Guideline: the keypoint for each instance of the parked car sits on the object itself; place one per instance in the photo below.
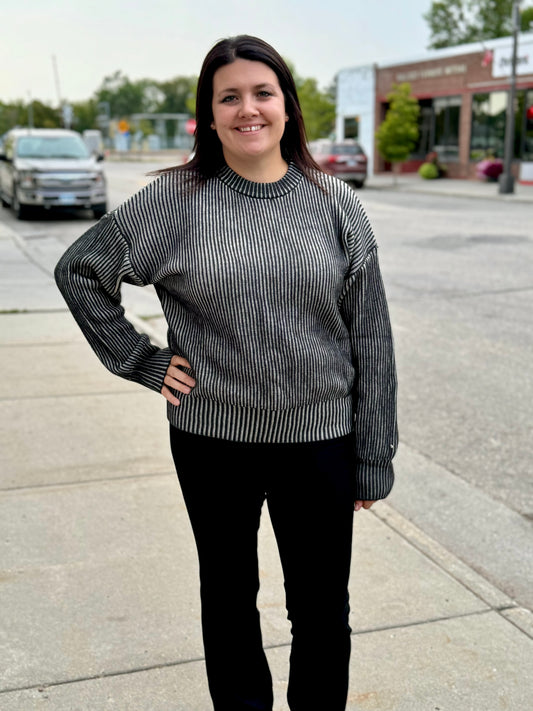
(50, 168)
(344, 159)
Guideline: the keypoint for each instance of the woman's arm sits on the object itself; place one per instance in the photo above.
(89, 276)
(365, 311)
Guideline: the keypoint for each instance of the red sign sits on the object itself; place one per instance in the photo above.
(190, 126)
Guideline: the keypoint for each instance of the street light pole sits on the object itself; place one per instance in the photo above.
(506, 180)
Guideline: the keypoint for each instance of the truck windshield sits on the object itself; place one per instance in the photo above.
(51, 147)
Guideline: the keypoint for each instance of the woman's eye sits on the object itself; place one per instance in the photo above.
(264, 93)
(228, 99)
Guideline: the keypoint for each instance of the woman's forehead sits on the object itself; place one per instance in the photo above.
(243, 72)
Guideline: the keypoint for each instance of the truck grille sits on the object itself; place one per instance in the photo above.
(64, 181)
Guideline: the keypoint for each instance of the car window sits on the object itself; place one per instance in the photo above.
(51, 147)
(350, 149)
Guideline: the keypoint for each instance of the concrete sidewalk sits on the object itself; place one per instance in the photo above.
(98, 583)
(413, 183)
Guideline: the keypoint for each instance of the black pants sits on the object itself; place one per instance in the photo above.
(309, 489)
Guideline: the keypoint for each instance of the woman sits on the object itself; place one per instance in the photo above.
(279, 372)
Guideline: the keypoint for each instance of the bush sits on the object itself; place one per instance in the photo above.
(428, 171)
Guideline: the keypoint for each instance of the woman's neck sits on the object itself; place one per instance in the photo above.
(257, 170)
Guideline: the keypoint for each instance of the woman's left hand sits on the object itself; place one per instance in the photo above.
(363, 505)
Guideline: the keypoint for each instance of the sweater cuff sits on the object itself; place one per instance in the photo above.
(374, 480)
(154, 370)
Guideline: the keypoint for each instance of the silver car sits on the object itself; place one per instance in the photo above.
(47, 168)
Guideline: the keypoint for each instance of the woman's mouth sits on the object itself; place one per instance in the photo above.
(249, 129)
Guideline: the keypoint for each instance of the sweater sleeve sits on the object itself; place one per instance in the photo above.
(365, 311)
(89, 276)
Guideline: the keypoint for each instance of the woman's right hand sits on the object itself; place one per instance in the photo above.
(177, 379)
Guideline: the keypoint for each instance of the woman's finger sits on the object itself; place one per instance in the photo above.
(177, 384)
(168, 395)
(177, 379)
(180, 375)
(179, 360)
(363, 504)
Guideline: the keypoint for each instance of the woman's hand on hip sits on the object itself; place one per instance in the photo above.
(363, 505)
(177, 379)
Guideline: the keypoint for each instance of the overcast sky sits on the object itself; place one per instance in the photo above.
(160, 39)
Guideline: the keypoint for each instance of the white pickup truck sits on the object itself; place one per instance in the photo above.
(50, 168)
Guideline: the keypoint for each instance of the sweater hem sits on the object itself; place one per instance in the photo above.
(309, 423)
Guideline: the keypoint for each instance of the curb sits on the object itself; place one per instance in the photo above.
(478, 585)
(453, 194)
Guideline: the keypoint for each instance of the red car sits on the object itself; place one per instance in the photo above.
(344, 159)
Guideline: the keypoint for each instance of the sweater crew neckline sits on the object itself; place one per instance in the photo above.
(281, 187)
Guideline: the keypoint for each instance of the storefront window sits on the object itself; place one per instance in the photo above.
(488, 125)
(351, 127)
(426, 130)
(438, 125)
(447, 111)
(524, 137)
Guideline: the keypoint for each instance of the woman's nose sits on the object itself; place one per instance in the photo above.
(248, 107)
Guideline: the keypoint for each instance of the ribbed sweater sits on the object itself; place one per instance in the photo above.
(271, 291)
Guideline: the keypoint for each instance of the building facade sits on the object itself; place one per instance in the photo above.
(463, 94)
(356, 107)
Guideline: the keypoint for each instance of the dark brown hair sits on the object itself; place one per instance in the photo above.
(208, 156)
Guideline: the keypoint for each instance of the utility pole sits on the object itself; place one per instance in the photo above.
(30, 110)
(56, 78)
(506, 180)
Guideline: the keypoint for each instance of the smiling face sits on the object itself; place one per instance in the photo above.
(249, 114)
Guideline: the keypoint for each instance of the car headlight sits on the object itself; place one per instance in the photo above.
(26, 179)
(98, 179)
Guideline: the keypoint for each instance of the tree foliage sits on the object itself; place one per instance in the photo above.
(526, 19)
(318, 107)
(124, 97)
(454, 22)
(177, 93)
(19, 113)
(398, 134)
(85, 113)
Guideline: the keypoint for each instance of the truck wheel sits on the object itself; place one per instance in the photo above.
(99, 210)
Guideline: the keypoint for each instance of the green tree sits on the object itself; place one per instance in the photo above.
(318, 109)
(17, 113)
(13, 114)
(526, 19)
(454, 22)
(123, 96)
(45, 116)
(398, 134)
(85, 113)
(177, 95)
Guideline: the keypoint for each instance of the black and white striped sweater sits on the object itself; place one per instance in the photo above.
(272, 291)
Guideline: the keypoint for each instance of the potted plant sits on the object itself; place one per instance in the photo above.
(489, 169)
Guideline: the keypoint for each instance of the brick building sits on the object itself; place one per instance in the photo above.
(463, 93)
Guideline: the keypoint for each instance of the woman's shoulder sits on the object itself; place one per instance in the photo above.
(340, 193)
(160, 192)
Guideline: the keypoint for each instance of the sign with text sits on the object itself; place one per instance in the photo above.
(431, 72)
(503, 60)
